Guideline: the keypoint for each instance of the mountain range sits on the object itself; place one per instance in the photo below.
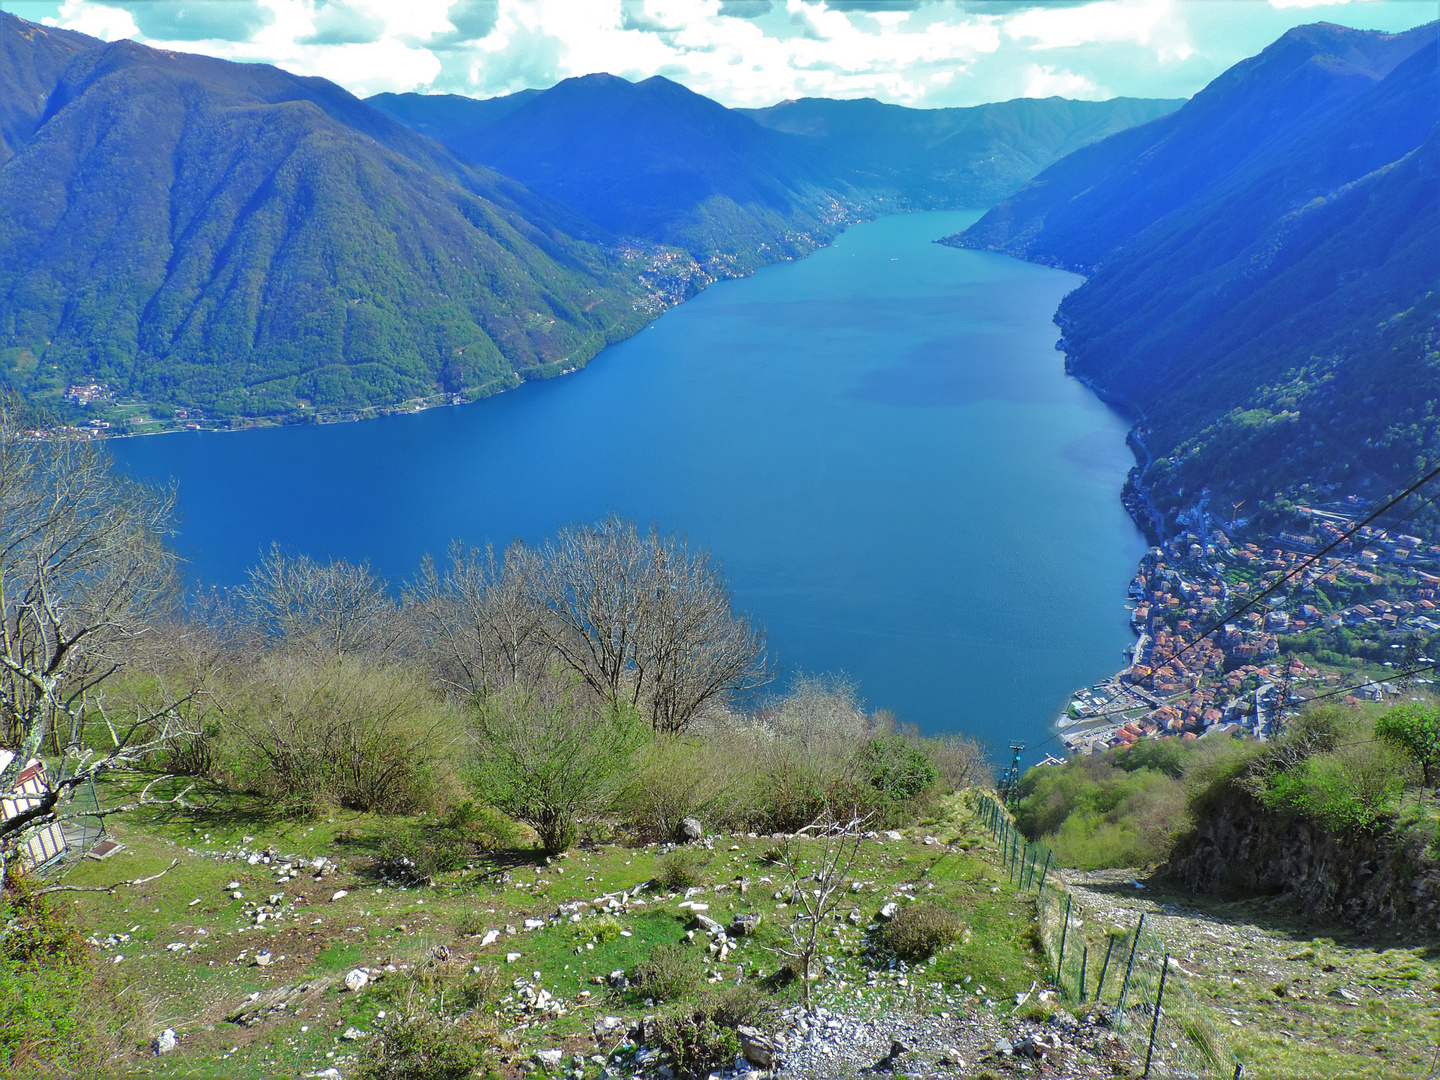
(200, 233)
(1262, 271)
(738, 188)
(235, 241)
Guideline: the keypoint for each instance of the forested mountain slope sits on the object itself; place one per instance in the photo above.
(200, 233)
(953, 157)
(740, 187)
(653, 160)
(1263, 265)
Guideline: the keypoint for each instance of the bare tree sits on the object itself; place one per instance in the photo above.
(643, 621)
(329, 609)
(693, 647)
(84, 569)
(476, 624)
(817, 883)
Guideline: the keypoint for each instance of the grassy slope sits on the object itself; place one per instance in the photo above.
(1267, 981)
(194, 989)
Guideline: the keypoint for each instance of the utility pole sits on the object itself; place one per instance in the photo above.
(1010, 785)
(1408, 663)
(1282, 703)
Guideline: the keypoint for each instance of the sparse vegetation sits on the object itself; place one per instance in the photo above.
(668, 973)
(681, 870)
(919, 931)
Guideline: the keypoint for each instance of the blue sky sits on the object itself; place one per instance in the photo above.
(740, 52)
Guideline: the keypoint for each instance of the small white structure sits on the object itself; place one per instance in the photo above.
(43, 845)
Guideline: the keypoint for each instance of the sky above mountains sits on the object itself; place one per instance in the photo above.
(739, 52)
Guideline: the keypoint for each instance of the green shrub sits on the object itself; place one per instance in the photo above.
(682, 869)
(1414, 729)
(421, 1045)
(1352, 791)
(696, 1044)
(680, 776)
(550, 753)
(308, 736)
(702, 1037)
(733, 1005)
(52, 1010)
(668, 973)
(897, 769)
(421, 849)
(596, 931)
(919, 931)
(472, 923)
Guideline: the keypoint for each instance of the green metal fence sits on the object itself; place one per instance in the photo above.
(1127, 971)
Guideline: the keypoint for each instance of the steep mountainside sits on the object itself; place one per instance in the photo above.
(953, 157)
(653, 160)
(1263, 264)
(200, 233)
(744, 186)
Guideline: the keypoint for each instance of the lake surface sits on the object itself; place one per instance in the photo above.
(878, 442)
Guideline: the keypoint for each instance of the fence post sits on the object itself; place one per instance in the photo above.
(1125, 986)
(1044, 870)
(1064, 932)
(1084, 963)
(1100, 988)
(1155, 1021)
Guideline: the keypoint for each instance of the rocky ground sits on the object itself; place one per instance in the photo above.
(1294, 997)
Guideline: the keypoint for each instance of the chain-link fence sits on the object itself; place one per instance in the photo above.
(1128, 972)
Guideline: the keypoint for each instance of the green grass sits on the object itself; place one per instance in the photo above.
(194, 989)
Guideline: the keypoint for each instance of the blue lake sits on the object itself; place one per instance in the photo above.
(878, 442)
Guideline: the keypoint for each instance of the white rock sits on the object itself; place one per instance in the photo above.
(756, 1047)
(511, 957)
(354, 1033)
(165, 1041)
(491, 936)
(534, 924)
(356, 979)
(891, 834)
(890, 910)
(233, 885)
(691, 829)
(176, 946)
(550, 1058)
(338, 894)
(263, 959)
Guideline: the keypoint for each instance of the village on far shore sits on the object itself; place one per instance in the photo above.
(1351, 627)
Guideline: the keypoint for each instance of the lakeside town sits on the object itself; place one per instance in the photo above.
(1351, 626)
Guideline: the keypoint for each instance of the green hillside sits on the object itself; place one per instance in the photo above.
(1262, 270)
(947, 158)
(230, 237)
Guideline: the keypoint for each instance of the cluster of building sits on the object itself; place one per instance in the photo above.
(1195, 676)
(83, 394)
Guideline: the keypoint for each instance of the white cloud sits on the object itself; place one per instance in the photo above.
(105, 23)
(1311, 3)
(1041, 80)
(929, 54)
(1108, 21)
